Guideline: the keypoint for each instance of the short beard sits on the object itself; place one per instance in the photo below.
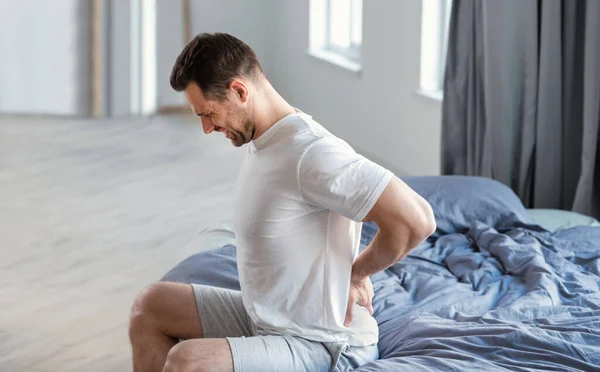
(247, 134)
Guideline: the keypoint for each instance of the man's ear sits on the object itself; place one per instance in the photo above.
(240, 89)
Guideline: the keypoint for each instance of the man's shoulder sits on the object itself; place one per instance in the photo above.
(307, 139)
(311, 134)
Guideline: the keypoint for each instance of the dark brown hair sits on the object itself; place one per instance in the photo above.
(212, 61)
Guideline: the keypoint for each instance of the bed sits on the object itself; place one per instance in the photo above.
(497, 287)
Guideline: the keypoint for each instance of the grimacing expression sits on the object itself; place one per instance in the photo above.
(229, 116)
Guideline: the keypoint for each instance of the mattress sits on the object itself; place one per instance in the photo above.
(555, 219)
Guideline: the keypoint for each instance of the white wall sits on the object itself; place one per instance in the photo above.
(377, 111)
(45, 57)
(249, 20)
(118, 57)
(125, 79)
(170, 42)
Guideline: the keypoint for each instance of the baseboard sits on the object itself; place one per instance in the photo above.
(174, 110)
(35, 115)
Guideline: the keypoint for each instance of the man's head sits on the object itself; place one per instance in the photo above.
(218, 74)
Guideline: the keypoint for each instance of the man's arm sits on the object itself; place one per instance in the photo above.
(405, 220)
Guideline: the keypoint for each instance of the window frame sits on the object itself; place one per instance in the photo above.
(353, 51)
(435, 19)
(321, 45)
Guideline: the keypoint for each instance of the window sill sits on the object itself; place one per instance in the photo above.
(436, 96)
(335, 59)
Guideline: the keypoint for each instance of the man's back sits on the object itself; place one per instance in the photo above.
(301, 195)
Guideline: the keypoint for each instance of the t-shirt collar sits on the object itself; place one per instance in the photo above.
(261, 141)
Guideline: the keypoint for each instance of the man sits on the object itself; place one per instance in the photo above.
(302, 193)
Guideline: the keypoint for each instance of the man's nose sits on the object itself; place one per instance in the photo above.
(207, 125)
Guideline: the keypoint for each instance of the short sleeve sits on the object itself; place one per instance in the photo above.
(331, 175)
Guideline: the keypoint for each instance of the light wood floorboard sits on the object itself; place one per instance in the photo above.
(91, 211)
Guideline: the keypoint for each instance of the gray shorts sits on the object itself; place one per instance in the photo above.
(222, 315)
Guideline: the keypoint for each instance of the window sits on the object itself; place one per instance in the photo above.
(143, 57)
(336, 31)
(434, 39)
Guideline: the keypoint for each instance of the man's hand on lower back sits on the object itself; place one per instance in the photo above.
(361, 291)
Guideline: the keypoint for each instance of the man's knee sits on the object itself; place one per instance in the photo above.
(143, 316)
(200, 355)
(180, 358)
(167, 309)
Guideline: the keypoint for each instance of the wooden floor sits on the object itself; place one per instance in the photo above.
(90, 212)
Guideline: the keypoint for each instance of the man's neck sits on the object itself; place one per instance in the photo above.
(269, 110)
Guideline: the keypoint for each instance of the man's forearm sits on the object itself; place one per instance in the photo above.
(385, 250)
(405, 219)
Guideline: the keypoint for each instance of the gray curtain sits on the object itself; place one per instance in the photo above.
(522, 99)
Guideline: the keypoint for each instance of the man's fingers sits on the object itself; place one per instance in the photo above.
(361, 293)
(348, 319)
(370, 303)
(370, 308)
(367, 304)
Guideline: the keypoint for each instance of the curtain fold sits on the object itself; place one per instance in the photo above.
(522, 99)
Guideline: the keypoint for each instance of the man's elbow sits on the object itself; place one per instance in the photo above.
(424, 225)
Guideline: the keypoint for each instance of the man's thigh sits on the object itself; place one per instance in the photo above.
(222, 313)
(278, 353)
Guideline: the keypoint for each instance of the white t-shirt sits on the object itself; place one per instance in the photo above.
(299, 202)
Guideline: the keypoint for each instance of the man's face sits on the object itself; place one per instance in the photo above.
(229, 116)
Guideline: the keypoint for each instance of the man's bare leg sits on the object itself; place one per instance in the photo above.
(161, 314)
(209, 354)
